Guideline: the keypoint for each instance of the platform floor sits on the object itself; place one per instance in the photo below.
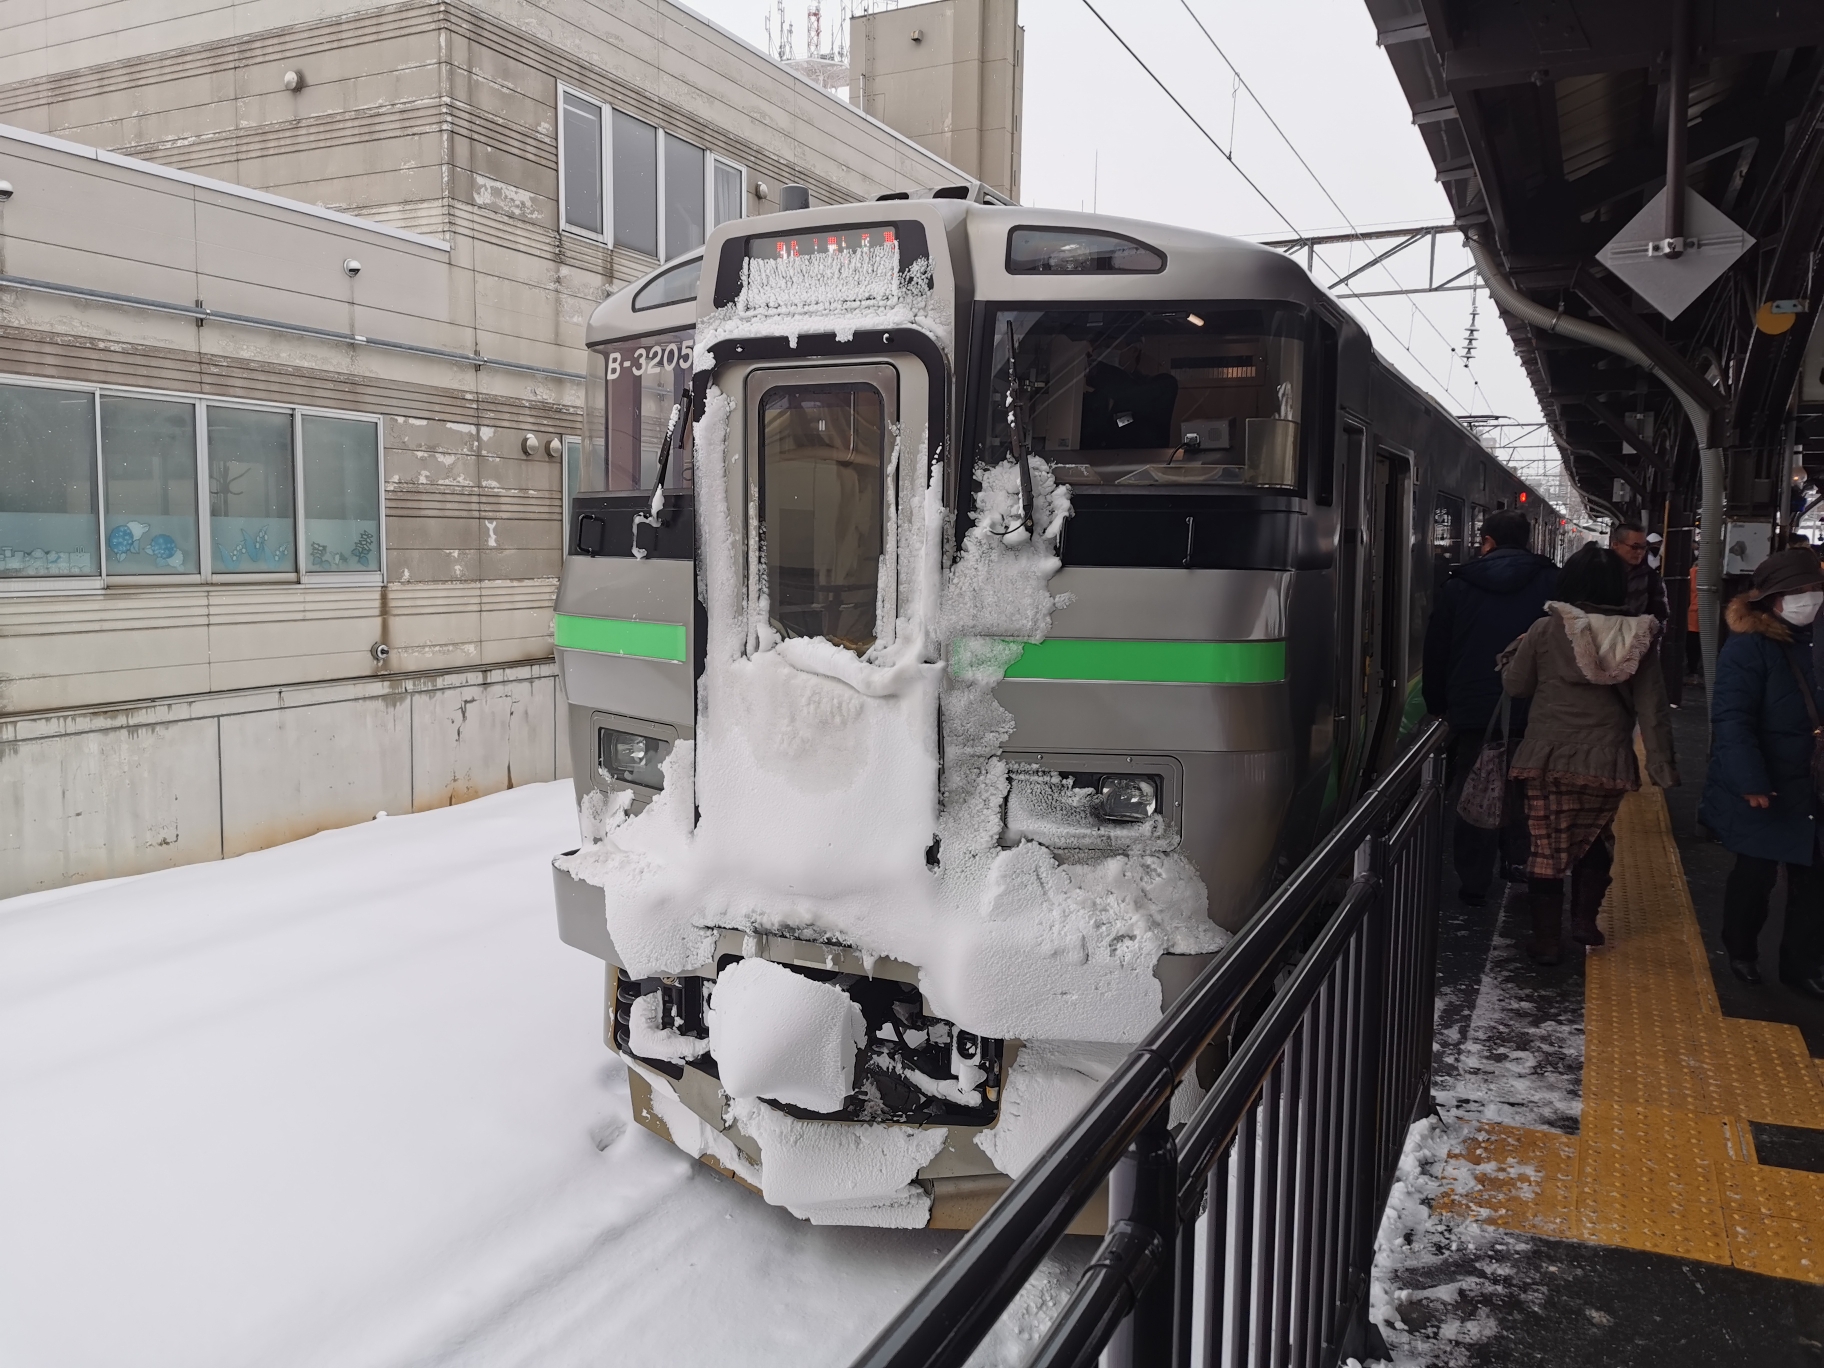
(1629, 1163)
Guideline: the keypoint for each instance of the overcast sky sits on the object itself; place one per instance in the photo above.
(1099, 132)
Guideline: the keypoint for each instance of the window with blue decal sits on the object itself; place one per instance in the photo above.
(99, 485)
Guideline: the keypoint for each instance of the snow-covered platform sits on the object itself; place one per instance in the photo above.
(1628, 1165)
(346, 1102)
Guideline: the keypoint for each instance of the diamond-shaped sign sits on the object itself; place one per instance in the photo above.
(1669, 284)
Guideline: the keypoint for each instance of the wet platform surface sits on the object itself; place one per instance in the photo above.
(1628, 1165)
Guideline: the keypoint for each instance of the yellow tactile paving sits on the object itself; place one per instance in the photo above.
(1665, 1158)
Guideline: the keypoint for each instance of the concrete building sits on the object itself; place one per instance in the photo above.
(291, 314)
(951, 75)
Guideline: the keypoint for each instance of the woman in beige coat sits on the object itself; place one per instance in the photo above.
(1593, 674)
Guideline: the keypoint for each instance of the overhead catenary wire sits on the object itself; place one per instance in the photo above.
(1249, 180)
(1318, 181)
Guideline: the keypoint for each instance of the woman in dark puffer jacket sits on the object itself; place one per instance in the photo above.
(1758, 797)
(1591, 669)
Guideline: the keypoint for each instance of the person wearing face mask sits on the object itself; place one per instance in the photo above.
(1760, 799)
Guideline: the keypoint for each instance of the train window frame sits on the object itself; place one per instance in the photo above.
(876, 374)
(681, 475)
(664, 277)
(1062, 230)
(978, 392)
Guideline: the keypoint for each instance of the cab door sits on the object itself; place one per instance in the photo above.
(830, 462)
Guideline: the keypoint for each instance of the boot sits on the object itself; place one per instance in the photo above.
(1546, 946)
(1587, 890)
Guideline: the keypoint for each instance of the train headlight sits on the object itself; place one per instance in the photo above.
(1129, 797)
(632, 758)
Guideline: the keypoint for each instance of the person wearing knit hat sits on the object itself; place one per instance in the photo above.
(1760, 798)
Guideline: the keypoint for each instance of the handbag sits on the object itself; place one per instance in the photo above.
(1817, 729)
(1483, 802)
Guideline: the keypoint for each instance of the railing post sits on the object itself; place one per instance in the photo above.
(1144, 1189)
(1360, 1225)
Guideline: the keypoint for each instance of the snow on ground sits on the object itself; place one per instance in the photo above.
(1520, 1059)
(1509, 1050)
(346, 1102)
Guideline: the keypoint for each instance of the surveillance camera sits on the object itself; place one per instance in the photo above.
(6, 191)
(351, 268)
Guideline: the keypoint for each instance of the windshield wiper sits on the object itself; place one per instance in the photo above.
(656, 514)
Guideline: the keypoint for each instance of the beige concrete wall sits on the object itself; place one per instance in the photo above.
(98, 793)
(950, 75)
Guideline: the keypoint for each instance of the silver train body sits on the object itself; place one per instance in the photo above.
(1262, 512)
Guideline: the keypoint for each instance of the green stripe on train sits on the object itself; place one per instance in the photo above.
(617, 636)
(1153, 662)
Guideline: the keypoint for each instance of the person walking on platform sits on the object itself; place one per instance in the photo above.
(1482, 607)
(1592, 673)
(1760, 796)
(1646, 590)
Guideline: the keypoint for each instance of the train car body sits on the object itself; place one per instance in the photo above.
(967, 613)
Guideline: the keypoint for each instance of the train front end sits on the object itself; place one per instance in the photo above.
(888, 867)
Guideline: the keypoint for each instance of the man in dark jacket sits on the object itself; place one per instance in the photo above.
(1758, 794)
(1483, 606)
(1646, 590)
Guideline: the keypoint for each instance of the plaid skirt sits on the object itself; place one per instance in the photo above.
(1566, 814)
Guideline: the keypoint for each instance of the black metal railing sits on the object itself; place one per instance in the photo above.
(1244, 1236)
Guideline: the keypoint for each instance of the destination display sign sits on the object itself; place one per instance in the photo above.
(831, 242)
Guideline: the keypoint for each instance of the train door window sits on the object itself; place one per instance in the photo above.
(1384, 644)
(822, 451)
(1446, 536)
(1477, 516)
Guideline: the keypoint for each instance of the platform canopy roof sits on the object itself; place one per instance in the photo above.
(1547, 121)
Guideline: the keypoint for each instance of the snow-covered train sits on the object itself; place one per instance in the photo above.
(967, 611)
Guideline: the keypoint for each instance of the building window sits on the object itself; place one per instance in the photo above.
(148, 461)
(684, 193)
(98, 485)
(48, 506)
(625, 181)
(730, 191)
(250, 494)
(341, 495)
(636, 184)
(579, 162)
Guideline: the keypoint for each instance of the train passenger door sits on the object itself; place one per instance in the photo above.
(1385, 601)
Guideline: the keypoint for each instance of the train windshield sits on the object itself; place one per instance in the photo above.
(632, 388)
(1207, 395)
(821, 452)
